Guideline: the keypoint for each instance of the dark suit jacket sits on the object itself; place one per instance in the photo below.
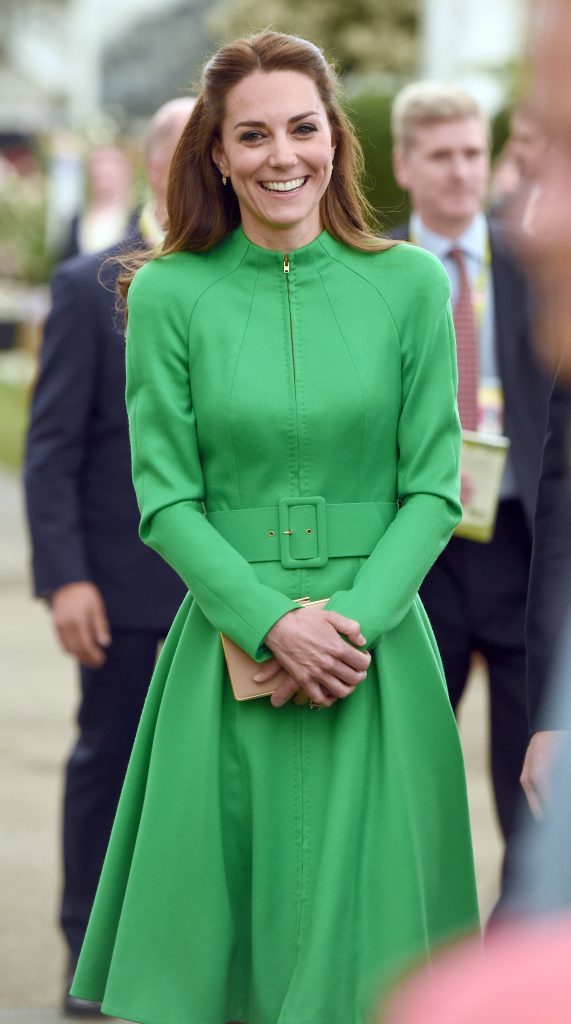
(549, 598)
(526, 385)
(82, 510)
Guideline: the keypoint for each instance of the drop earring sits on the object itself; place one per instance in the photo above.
(224, 179)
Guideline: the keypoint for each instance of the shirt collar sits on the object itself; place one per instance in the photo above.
(472, 242)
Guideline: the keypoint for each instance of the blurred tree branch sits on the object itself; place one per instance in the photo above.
(361, 36)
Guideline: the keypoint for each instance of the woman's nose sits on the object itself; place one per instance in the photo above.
(282, 153)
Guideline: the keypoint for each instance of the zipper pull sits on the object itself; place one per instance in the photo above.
(286, 264)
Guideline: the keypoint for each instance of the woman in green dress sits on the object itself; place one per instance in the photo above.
(291, 396)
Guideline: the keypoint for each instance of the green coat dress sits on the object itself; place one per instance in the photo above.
(278, 866)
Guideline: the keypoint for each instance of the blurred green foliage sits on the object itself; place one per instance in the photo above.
(360, 36)
(23, 252)
(14, 403)
(371, 116)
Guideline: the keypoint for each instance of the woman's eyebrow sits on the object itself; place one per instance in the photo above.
(262, 124)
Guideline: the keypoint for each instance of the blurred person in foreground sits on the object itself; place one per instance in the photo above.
(291, 393)
(107, 214)
(524, 975)
(547, 767)
(111, 599)
(476, 593)
(515, 187)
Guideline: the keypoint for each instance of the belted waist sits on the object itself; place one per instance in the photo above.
(305, 532)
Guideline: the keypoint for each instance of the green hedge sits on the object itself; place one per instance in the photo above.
(14, 404)
(371, 115)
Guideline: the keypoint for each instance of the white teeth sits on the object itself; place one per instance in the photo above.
(283, 186)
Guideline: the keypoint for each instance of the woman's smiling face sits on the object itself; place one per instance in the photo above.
(277, 150)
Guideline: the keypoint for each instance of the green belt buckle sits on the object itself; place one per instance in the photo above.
(303, 527)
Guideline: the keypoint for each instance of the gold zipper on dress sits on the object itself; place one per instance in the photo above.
(286, 272)
(292, 348)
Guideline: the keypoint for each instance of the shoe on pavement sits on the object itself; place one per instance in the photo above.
(72, 1006)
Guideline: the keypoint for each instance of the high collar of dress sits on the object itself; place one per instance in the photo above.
(269, 257)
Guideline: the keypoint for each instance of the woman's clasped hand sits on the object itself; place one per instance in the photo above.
(315, 647)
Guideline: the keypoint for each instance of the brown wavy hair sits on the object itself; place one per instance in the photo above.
(201, 211)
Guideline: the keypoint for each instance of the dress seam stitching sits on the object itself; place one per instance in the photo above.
(231, 390)
(350, 354)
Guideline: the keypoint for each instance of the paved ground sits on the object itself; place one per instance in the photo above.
(37, 701)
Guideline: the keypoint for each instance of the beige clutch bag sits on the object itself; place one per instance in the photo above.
(241, 667)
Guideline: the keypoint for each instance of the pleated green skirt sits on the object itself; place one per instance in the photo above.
(278, 866)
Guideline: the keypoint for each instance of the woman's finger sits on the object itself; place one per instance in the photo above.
(339, 684)
(322, 696)
(316, 694)
(284, 692)
(340, 669)
(357, 660)
(267, 671)
(348, 627)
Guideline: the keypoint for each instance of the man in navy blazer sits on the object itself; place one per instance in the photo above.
(542, 876)
(476, 593)
(549, 600)
(112, 599)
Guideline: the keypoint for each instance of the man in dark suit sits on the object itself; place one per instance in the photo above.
(476, 593)
(549, 599)
(549, 603)
(112, 599)
(541, 880)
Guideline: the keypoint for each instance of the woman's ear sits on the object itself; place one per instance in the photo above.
(219, 158)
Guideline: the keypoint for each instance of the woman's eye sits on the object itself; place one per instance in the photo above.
(252, 136)
(305, 129)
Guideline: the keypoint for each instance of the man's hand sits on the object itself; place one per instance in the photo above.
(466, 489)
(80, 621)
(537, 769)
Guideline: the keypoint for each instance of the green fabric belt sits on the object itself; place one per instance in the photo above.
(304, 532)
